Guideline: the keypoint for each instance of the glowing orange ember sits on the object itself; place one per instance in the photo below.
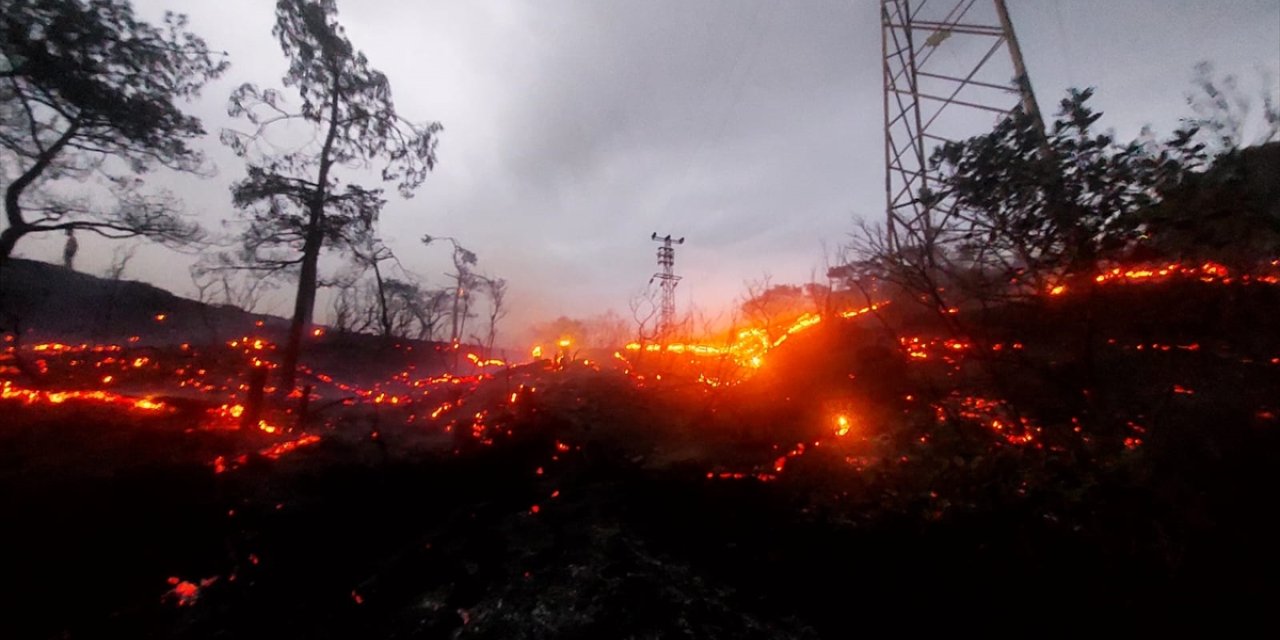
(184, 593)
(281, 448)
(842, 425)
(491, 362)
(8, 391)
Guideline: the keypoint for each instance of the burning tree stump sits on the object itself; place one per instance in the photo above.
(304, 407)
(253, 402)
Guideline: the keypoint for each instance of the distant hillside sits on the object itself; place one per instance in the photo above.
(51, 302)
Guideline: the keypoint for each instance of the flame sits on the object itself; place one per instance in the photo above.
(183, 593)
(491, 362)
(1208, 271)
(147, 404)
(842, 425)
(749, 346)
(281, 448)
(10, 391)
(992, 413)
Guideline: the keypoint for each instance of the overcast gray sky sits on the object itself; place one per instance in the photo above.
(574, 129)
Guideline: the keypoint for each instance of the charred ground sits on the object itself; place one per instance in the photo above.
(975, 484)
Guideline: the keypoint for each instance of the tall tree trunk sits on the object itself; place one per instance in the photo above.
(303, 308)
(453, 315)
(305, 303)
(382, 297)
(8, 238)
(18, 227)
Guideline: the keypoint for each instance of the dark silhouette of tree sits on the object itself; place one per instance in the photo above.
(1229, 214)
(771, 307)
(1221, 111)
(608, 330)
(1036, 210)
(496, 290)
(1020, 211)
(297, 204)
(89, 92)
(464, 279)
(576, 330)
(396, 296)
(370, 254)
(644, 309)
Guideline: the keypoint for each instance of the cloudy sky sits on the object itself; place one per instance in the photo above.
(574, 129)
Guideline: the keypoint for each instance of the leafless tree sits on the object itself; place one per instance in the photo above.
(120, 257)
(370, 253)
(216, 283)
(463, 281)
(496, 290)
(607, 330)
(770, 307)
(644, 310)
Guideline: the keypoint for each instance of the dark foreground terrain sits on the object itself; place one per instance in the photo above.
(597, 503)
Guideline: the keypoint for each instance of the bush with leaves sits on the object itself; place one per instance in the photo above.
(1033, 210)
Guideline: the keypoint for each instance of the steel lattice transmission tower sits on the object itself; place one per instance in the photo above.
(667, 280)
(932, 97)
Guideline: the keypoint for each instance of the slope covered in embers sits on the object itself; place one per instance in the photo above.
(42, 303)
(970, 481)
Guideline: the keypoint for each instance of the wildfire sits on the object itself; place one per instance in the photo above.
(281, 448)
(867, 309)
(749, 346)
(491, 362)
(184, 593)
(997, 415)
(842, 425)
(57, 347)
(1206, 272)
(10, 391)
(231, 410)
(719, 363)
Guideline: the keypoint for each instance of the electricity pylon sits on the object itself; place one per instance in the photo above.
(932, 98)
(668, 281)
